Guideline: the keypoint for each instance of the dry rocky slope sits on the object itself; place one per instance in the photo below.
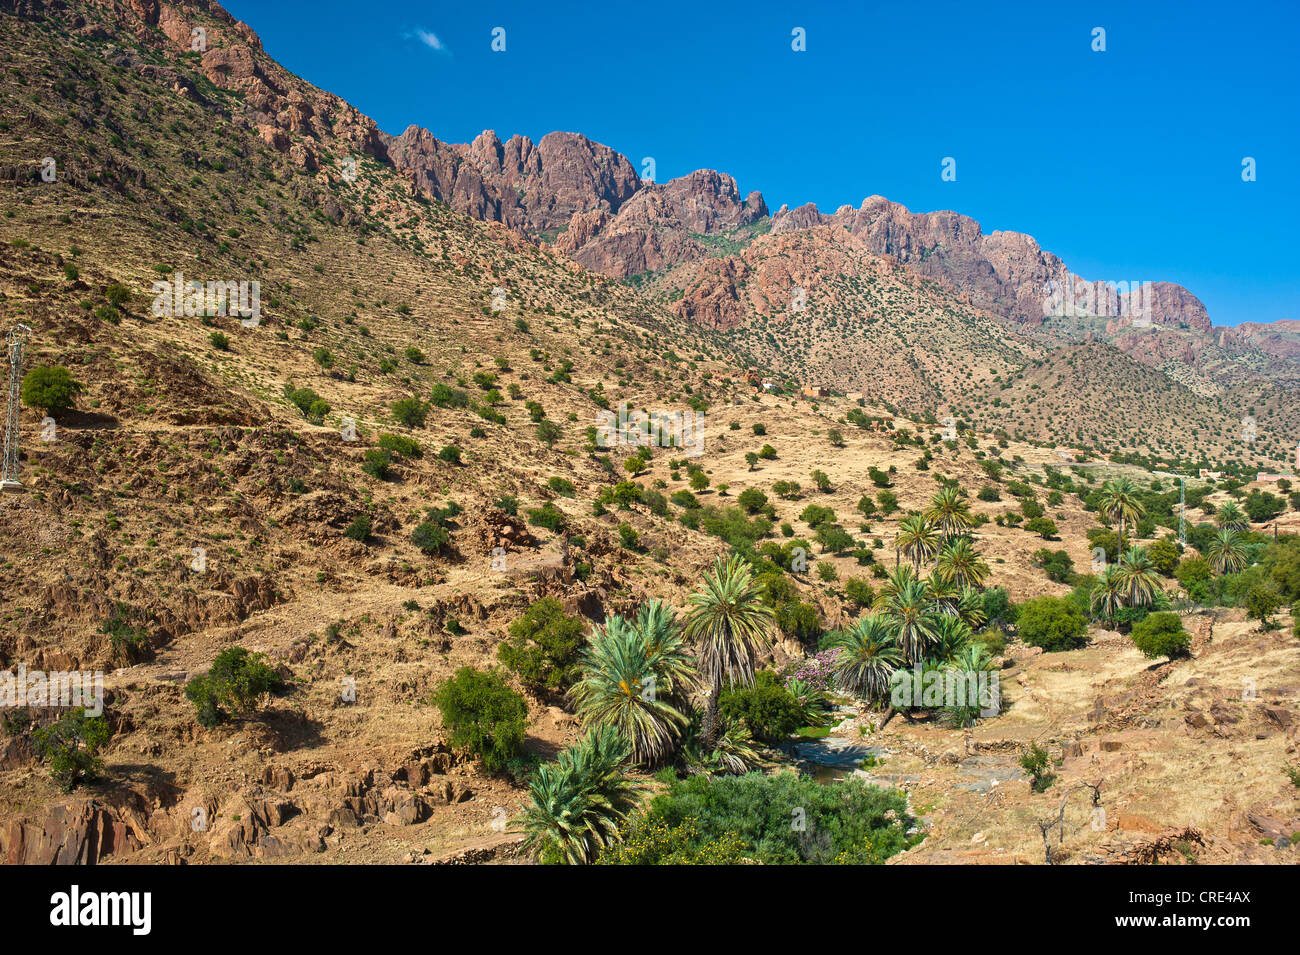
(222, 166)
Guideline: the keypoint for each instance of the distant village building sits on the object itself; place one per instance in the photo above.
(1210, 475)
(815, 391)
(1265, 478)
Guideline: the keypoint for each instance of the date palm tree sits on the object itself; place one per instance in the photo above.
(944, 594)
(970, 607)
(666, 650)
(577, 804)
(1107, 598)
(951, 635)
(868, 657)
(1138, 579)
(959, 564)
(949, 512)
(910, 613)
(1119, 502)
(1227, 552)
(730, 626)
(917, 540)
(620, 688)
(1231, 517)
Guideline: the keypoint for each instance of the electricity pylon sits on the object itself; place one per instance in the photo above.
(1182, 511)
(9, 476)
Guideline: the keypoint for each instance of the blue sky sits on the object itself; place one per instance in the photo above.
(1127, 163)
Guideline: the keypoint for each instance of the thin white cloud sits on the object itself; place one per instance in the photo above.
(428, 38)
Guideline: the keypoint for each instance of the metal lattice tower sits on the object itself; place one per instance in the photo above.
(1182, 511)
(9, 477)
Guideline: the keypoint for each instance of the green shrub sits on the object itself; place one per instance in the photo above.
(859, 591)
(410, 412)
(544, 647)
(785, 818)
(1161, 635)
(431, 537)
(483, 715)
(450, 454)
(799, 621)
(548, 516)
(1164, 555)
(1261, 603)
(233, 686)
(402, 445)
(769, 711)
(376, 462)
(1036, 762)
(71, 747)
(50, 388)
(1044, 527)
(359, 529)
(444, 396)
(1056, 564)
(628, 536)
(1052, 623)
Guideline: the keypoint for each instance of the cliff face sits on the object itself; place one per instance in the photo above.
(529, 187)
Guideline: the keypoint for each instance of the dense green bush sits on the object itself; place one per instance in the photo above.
(544, 646)
(410, 412)
(788, 819)
(71, 747)
(548, 516)
(799, 621)
(1161, 635)
(1052, 623)
(50, 388)
(1056, 564)
(444, 396)
(376, 462)
(769, 711)
(483, 715)
(400, 444)
(359, 529)
(233, 686)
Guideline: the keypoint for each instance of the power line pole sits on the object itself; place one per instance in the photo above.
(9, 476)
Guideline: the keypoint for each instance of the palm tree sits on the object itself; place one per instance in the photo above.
(970, 607)
(945, 595)
(951, 636)
(1231, 517)
(666, 649)
(910, 614)
(1138, 579)
(969, 663)
(959, 564)
(1227, 552)
(620, 689)
(868, 657)
(578, 802)
(895, 581)
(730, 626)
(917, 540)
(1107, 598)
(949, 511)
(1119, 501)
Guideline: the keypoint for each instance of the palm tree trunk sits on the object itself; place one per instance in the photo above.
(711, 716)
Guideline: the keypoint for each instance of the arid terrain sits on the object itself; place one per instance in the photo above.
(195, 500)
